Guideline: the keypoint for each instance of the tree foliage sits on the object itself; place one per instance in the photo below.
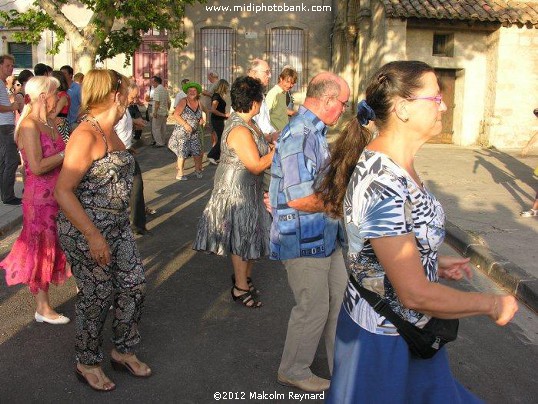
(115, 26)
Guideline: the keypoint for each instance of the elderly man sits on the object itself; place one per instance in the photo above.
(161, 104)
(259, 69)
(125, 130)
(9, 156)
(303, 237)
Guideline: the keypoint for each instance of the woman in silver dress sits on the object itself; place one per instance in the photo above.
(235, 220)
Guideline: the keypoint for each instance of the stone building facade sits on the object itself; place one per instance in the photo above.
(483, 50)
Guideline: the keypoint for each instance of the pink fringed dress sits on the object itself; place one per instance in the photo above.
(36, 258)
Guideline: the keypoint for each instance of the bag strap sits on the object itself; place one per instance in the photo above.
(379, 305)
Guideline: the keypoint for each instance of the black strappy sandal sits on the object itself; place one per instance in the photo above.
(251, 286)
(246, 298)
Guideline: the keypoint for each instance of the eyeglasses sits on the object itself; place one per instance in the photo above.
(345, 105)
(438, 99)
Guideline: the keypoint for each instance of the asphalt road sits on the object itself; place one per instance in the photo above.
(200, 343)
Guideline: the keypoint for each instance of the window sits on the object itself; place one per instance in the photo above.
(443, 45)
(22, 52)
(216, 51)
(287, 48)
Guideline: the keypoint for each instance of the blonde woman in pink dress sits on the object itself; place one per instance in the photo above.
(36, 258)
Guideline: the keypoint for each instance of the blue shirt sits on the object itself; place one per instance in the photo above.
(301, 155)
(74, 93)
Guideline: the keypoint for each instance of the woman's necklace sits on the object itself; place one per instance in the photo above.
(96, 125)
(46, 123)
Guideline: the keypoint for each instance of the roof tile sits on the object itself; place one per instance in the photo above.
(503, 11)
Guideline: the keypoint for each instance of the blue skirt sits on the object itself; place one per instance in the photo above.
(372, 368)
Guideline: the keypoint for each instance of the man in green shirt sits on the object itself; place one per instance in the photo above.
(276, 99)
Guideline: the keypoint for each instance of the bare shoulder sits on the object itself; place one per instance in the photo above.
(29, 124)
(84, 142)
(28, 131)
(239, 132)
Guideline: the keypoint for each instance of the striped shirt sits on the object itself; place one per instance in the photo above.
(6, 118)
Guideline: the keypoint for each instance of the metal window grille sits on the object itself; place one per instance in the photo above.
(216, 53)
(22, 52)
(287, 48)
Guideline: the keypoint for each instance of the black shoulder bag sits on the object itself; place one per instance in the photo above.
(423, 342)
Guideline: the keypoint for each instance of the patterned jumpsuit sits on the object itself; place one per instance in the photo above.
(104, 194)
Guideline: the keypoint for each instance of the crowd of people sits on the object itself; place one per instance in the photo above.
(350, 223)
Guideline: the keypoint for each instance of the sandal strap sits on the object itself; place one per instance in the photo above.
(246, 297)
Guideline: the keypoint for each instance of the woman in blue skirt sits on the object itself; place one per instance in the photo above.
(395, 228)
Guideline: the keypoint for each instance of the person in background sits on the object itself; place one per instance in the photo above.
(36, 258)
(161, 104)
(259, 69)
(59, 115)
(206, 100)
(218, 116)
(303, 236)
(394, 228)
(20, 97)
(9, 155)
(180, 94)
(74, 96)
(185, 139)
(135, 113)
(10, 85)
(78, 78)
(148, 98)
(93, 225)
(235, 220)
(42, 69)
(276, 99)
(124, 129)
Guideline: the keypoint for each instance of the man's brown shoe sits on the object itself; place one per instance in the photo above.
(313, 384)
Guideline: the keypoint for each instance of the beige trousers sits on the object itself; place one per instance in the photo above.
(158, 128)
(318, 285)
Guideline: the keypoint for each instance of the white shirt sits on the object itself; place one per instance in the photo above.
(263, 119)
(124, 129)
(6, 118)
(160, 95)
(179, 96)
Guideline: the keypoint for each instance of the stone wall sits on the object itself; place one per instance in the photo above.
(512, 122)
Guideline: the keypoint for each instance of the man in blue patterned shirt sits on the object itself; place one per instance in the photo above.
(303, 236)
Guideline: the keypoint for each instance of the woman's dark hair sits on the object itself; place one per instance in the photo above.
(395, 79)
(245, 90)
(24, 76)
(61, 78)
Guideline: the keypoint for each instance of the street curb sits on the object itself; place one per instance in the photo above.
(14, 219)
(511, 277)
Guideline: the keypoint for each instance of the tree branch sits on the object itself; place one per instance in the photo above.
(52, 8)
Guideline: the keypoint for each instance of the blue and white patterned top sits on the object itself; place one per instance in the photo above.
(301, 155)
(382, 200)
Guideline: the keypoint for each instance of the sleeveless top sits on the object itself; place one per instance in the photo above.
(107, 183)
